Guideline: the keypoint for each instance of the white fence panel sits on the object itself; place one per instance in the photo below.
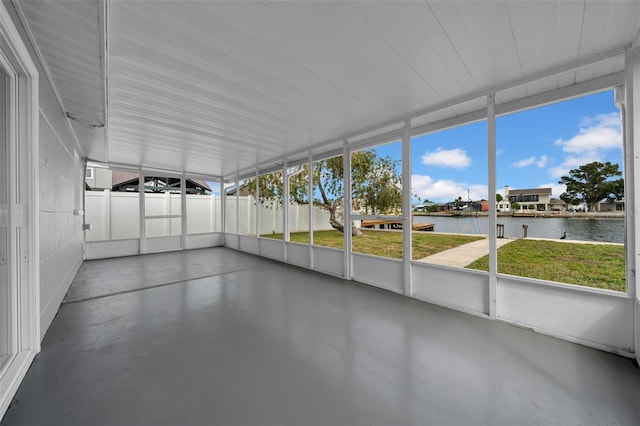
(115, 215)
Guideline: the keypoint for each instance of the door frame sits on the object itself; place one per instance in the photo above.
(23, 208)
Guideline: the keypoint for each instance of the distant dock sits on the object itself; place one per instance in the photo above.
(395, 224)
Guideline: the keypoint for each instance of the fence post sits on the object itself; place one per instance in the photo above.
(106, 218)
(167, 208)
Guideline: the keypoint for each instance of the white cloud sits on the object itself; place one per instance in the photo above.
(456, 158)
(525, 163)
(599, 133)
(595, 136)
(556, 188)
(542, 161)
(446, 189)
(573, 162)
(611, 119)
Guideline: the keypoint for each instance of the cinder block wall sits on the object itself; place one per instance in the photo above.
(61, 182)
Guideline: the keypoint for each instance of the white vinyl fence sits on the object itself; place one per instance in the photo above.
(116, 215)
(272, 217)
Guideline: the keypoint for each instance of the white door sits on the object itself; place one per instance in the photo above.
(19, 292)
(7, 284)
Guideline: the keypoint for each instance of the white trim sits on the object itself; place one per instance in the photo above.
(310, 187)
(26, 132)
(450, 306)
(103, 17)
(493, 250)
(407, 228)
(346, 208)
(568, 338)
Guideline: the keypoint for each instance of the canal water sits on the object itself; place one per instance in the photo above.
(583, 229)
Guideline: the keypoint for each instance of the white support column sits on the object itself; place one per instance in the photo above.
(285, 207)
(346, 205)
(257, 208)
(106, 211)
(223, 208)
(143, 241)
(632, 153)
(183, 211)
(493, 253)
(237, 211)
(310, 198)
(407, 228)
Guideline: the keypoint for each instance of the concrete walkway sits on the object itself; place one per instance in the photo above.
(463, 255)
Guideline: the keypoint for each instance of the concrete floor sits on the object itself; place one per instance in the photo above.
(258, 342)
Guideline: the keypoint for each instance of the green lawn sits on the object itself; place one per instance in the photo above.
(593, 265)
(383, 243)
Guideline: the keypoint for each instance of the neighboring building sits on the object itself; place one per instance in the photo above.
(557, 205)
(536, 199)
(503, 206)
(611, 206)
(99, 179)
(466, 206)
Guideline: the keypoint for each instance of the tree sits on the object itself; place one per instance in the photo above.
(376, 186)
(592, 183)
(499, 197)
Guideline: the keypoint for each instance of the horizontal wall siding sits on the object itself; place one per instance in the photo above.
(107, 249)
(328, 260)
(61, 236)
(204, 240)
(298, 254)
(455, 288)
(273, 249)
(378, 271)
(249, 244)
(593, 319)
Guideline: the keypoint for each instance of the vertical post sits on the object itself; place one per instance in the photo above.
(223, 209)
(106, 211)
(310, 198)
(285, 207)
(167, 208)
(237, 211)
(257, 208)
(346, 205)
(493, 253)
(212, 212)
(183, 211)
(407, 227)
(624, 101)
(631, 126)
(143, 240)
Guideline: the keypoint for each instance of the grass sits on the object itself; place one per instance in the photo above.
(592, 265)
(383, 243)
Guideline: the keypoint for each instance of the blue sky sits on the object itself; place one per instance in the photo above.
(534, 149)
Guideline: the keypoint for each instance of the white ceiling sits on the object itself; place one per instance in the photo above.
(216, 87)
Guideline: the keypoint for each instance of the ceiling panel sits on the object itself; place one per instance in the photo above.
(219, 87)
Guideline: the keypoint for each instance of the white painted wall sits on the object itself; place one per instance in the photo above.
(593, 318)
(61, 181)
(378, 271)
(61, 239)
(460, 289)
